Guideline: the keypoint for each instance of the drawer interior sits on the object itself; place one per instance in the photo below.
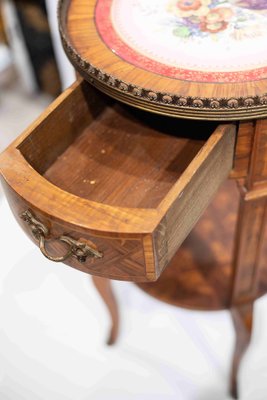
(125, 182)
(110, 153)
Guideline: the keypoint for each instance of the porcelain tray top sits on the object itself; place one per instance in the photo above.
(203, 59)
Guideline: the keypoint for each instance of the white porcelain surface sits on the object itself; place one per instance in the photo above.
(218, 36)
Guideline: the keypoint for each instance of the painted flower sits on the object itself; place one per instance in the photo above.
(188, 8)
(252, 4)
(182, 31)
(186, 5)
(216, 20)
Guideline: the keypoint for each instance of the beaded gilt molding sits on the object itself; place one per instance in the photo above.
(172, 104)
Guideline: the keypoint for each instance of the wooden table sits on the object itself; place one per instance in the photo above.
(122, 188)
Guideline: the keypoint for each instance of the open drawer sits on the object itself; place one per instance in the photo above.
(112, 190)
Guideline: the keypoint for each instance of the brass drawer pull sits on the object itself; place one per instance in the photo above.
(79, 250)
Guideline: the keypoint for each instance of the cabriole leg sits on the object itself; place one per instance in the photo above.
(242, 318)
(104, 288)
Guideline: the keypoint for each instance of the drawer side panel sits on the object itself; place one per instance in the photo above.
(194, 198)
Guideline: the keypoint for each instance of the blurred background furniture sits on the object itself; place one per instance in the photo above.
(29, 31)
(30, 40)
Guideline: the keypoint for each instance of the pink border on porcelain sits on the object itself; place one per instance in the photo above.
(113, 41)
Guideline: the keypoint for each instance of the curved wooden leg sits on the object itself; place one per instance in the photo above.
(242, 317)
(104, 288)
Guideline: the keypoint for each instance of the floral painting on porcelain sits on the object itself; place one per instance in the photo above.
(202, 17)
(195, 40)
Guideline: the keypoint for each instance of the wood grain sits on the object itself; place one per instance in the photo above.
(199, 275)
(208, 170)
(117, 177)
(245, 134)
(119, 160)
(146, 90)
(135, 184)
(252, 220)
(257, 178)
(249, 239)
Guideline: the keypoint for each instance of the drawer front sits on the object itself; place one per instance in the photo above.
(122, 259)
(113, 195)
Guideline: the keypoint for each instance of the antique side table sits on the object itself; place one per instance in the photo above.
(118, 170)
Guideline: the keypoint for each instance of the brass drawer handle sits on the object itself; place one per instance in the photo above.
(79, 250)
